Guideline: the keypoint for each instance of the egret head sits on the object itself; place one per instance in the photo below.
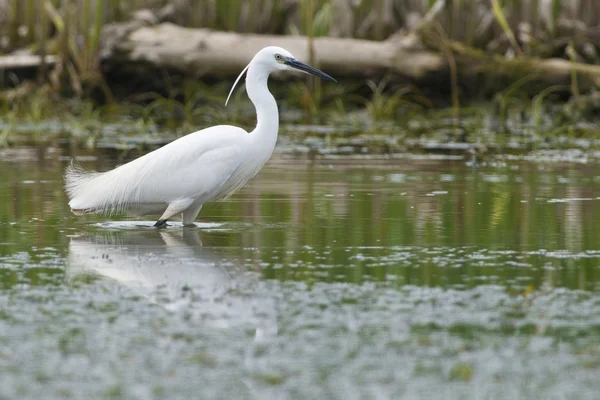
(273, 58)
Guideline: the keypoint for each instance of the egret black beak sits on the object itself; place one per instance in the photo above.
(299, 65)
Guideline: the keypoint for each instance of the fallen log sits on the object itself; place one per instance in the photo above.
(140, 49)
(539, 73)
(202, 52)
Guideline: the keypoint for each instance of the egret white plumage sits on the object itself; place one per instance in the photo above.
(204, 166)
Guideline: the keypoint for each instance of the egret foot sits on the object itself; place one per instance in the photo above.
(161, 223)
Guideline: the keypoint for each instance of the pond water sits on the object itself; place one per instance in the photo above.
(408, 277)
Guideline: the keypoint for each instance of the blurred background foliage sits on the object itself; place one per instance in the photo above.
(532, 27)
(70, 30)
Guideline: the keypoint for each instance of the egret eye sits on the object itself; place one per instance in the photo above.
(278, 57)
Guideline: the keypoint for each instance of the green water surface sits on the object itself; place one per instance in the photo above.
(405, 277)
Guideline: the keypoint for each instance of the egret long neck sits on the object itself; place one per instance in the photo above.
(267, 114)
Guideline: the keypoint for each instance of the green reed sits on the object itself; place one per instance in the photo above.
(496, 25)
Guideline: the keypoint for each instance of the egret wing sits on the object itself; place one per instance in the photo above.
(192, 166)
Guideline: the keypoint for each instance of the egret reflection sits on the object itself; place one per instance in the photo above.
(174, 270)
(162, 264)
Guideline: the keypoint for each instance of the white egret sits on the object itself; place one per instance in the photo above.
(201, 167)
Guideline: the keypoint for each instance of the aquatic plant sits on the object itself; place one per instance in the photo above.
(538, 104)
(384, 105)
(513, 95)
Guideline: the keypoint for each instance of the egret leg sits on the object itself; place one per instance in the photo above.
(174, 208)
(191, 213)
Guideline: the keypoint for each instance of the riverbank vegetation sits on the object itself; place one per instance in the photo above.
(73, 93)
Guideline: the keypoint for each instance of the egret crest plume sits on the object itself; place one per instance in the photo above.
(235, 83)
(204, 166)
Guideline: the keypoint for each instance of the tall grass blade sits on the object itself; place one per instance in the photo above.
(501, 19)
(573, 59)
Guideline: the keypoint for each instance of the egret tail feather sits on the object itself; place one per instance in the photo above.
(92, 192)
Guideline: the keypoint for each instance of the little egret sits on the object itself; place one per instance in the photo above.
(201, 167)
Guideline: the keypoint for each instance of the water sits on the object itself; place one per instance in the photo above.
(390, 278)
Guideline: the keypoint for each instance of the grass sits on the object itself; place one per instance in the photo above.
(499, 26)
(506, 28)
(385, 104)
